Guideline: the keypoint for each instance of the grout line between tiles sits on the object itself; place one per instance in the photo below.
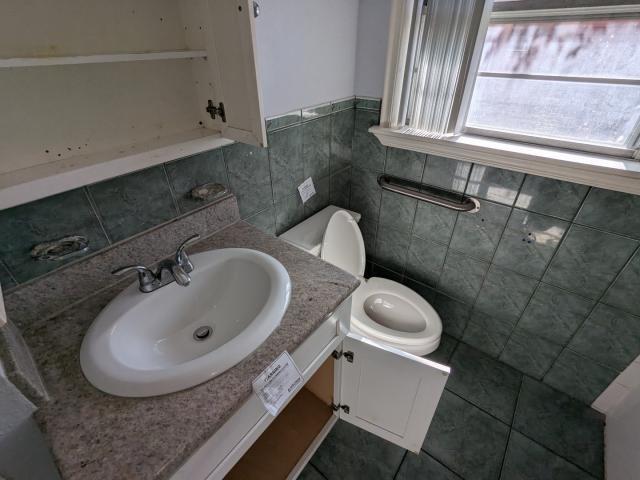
(9, 272)
(596, 301)
(173, 193)
(404, 456)
(484, 279)
(571, 462)
(513, 419)
(94, 208)
(595, 305)
(318, 470)
(449, 469)
(478, 406)
(539, 280)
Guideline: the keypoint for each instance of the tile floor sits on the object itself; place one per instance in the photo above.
(492, 422)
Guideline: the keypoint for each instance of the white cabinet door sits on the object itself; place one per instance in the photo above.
(388, 392)
(233, 47)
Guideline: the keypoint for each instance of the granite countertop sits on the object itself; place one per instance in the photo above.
(96, 435)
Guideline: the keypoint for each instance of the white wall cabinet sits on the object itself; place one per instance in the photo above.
(91, 89)
(382, 390)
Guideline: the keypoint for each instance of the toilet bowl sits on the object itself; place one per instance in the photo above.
(382, 310)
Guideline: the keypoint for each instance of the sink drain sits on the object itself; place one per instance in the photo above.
(202, 333)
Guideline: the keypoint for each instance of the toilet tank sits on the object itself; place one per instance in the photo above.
(308, 234)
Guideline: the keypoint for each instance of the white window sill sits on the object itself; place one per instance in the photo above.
(603, 171)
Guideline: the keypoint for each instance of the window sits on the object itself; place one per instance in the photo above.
(548, 87)
(563, 81)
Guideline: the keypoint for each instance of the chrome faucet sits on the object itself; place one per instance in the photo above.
(177, 269)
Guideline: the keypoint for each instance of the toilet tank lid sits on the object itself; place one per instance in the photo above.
(308, 234)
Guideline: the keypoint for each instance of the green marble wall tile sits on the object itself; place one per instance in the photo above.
(405, 164)
(555, 314)
(341, 148)
(366, 103)
(624, 291)
(478, 234)
(397, 211)
(133, 203)
(249, 177)
(316, 146)
(504, 293)
(425, 261)
(434, 223)
(495, 184)
(612, 211)
(285, 161)
(446, 173)
(265, 220)
(551, 197)
(528, 242)
(588, 260)
(285, 120)
(187, 173)
(52, 218)
(368, 152)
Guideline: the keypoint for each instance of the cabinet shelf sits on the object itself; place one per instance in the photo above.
(28, 184)
(101, 58)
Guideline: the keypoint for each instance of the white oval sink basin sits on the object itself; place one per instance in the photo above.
(145, 344)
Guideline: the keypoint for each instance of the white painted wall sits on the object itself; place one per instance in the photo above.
(306, 52)
(373, 27)
(622, 439)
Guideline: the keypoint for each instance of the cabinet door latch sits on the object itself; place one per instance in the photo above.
(219, 110)
(348, 355)
(345, 408)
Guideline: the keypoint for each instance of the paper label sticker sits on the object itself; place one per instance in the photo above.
(277, 383)
(307, 190)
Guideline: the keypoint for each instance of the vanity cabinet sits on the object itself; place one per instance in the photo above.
(380, 389)
(93, 89)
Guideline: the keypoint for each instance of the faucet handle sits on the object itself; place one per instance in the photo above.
(182, 259)
(146, 278)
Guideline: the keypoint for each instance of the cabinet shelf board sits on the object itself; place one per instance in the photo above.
(32, 183)
(102, 58)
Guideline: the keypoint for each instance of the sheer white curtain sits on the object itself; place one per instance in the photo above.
(442, 50)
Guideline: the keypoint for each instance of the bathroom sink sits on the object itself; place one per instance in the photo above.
(145, 344)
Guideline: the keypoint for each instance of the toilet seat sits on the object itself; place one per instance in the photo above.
(383, 310)
(411, 324)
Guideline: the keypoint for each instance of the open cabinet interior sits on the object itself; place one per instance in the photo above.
(119, 84)
(278, 450)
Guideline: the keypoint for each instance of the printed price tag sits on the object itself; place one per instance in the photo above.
(307, 190)
(277, 383)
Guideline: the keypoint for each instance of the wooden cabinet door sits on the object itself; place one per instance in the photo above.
(388, 392)
(233, 48)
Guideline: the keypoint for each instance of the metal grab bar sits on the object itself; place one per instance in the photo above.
(422, 192)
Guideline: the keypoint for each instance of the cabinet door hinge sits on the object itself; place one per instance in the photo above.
(219, 110)
(345, 408)
(348, 355)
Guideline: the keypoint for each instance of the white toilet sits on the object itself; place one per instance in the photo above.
(383, 310)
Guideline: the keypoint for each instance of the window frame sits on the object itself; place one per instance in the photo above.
(511, 14)
(609, 167)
